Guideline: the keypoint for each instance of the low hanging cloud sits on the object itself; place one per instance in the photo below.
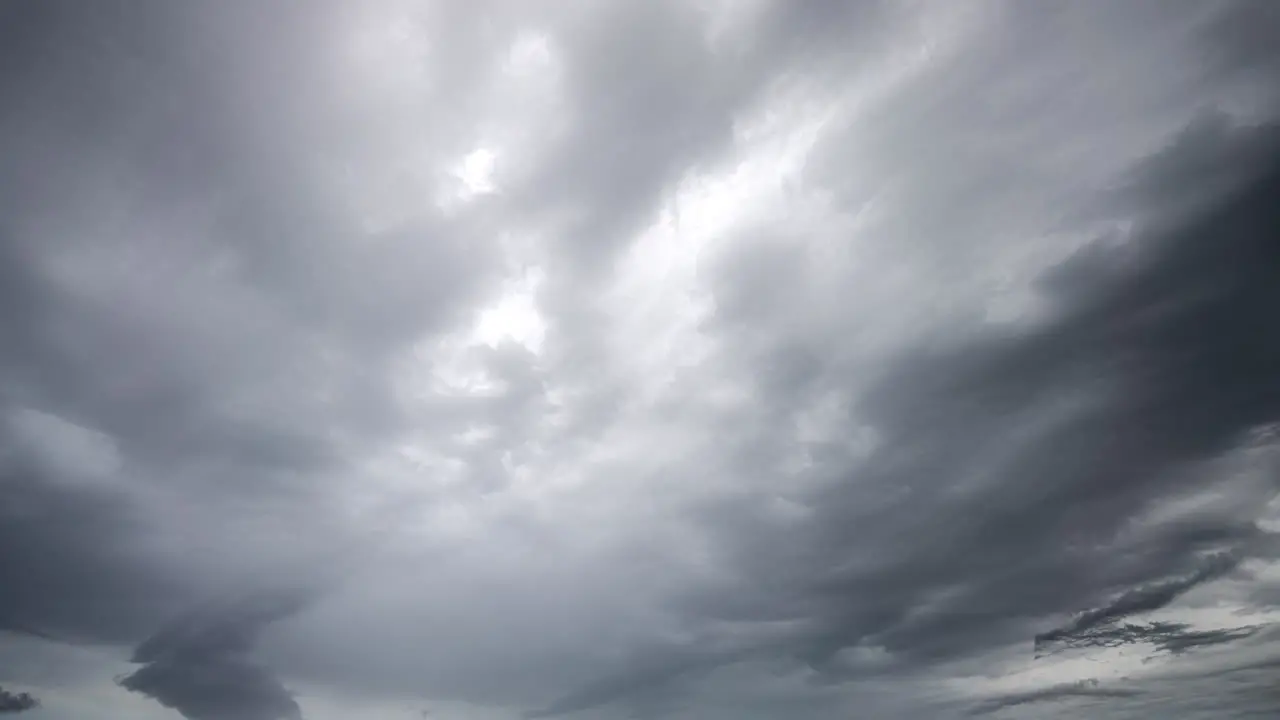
(200, 664)
(11, 702)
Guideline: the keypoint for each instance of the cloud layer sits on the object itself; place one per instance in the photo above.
(686, 359)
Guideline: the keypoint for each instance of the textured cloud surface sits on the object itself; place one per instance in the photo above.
(17, 702)
(636, 359)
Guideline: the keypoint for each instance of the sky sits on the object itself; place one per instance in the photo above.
(679, 359)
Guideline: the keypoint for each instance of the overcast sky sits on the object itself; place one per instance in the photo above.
(684, 359)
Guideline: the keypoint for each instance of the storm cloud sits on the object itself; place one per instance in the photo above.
(199, 665)
(17, 702)
(1142, 599)
(682, 359)
(1045, 451)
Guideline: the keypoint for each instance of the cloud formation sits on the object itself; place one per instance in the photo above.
(1141, 599)
(1043, 451)
(17, 702)
(1168, 636)
(686, 359)
(199, 665)
(1083, 688)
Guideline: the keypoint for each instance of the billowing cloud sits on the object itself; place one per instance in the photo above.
(687, 359)
(199, 665)
(17, 702)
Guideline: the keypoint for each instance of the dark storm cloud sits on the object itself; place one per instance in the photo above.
(188, 281)
(1142, 599)
(1210, 157)
(17, 702)
(200, 664)
(1170, 637)
(1013, 471)
(1171, 367)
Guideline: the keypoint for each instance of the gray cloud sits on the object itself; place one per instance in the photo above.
(870, 341)
(197, 312)
(173, 286)
(1170, 637)
(199, 664)
(67, 576)
(1039, 450)
(1142, 599)
(653, 671)
(1082, 689)
(17, 702)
